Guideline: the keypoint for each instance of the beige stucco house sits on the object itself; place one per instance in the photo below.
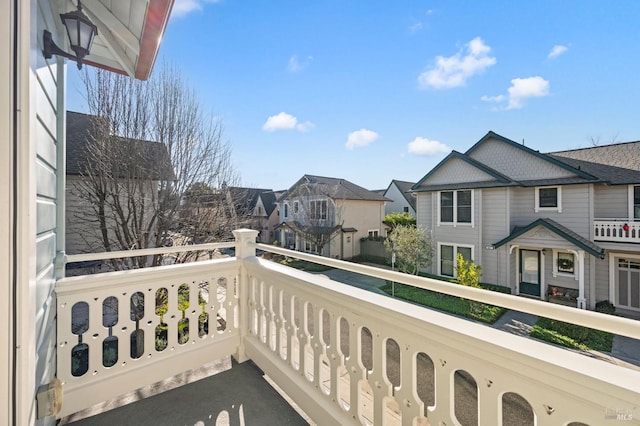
(329, 216)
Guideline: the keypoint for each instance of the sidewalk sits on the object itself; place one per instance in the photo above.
(624, 352)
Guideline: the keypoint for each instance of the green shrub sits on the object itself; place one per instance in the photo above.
(572, 335)
(605, 307)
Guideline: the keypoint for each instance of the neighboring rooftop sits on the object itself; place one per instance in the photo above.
(336, 188)
(156, 161)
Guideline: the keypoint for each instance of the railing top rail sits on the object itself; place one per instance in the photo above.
(147, 252)
(596, 320)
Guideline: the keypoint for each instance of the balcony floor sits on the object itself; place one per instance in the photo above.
(237, 396)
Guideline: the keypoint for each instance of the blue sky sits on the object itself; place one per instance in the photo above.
(375, 90)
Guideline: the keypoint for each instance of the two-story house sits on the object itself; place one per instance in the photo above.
(92, 222)
(329, 216)
(559, 226)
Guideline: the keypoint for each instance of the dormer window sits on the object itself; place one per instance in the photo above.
(548, 199)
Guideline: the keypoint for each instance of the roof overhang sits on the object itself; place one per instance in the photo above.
(129, 33)
(558, 229)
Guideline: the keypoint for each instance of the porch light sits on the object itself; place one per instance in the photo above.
(81, 32)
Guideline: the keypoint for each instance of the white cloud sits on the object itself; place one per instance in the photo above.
(523, 88)
(416, 27)
(424, 146)
(294, 64)
(284, 121)
(557, 50)
(305, 127)
(520, 90)
(453, 71)
(362, 137)
(184, 7)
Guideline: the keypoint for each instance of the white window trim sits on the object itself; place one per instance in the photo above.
(455, 209)
(548, 209)
(613, 269)
(285, 210)
(376, 231)
(630, 202)
(557, 273)
(455, 252)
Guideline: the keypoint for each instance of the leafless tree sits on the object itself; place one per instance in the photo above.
(316, 208)
(151, 144)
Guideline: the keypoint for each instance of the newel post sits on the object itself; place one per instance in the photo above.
(244, 249)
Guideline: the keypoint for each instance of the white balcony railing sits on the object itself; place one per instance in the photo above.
(344, 355)
(616, 230)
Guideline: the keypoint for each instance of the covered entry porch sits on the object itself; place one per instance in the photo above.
(549, 261)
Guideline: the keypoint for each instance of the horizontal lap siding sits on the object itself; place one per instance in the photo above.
(611, 201)
(44, 131)
(495, 227)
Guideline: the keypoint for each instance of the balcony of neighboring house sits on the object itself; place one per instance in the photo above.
(339, 354)
(616, 230)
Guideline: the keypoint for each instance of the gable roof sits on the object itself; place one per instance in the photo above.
(562, 231)
(405, 189)
(247, 198)
(156, 161)
(336, 188)
(615, 164)
(492, 135)
(500, 179)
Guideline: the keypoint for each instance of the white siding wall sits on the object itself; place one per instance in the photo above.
(46, 105)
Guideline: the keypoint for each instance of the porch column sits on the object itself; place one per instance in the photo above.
(243, 250)
(582, 301)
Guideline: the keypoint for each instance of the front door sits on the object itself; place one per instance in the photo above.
(530, 272)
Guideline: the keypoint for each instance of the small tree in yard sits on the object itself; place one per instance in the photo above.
(468, 274)
(412, 246)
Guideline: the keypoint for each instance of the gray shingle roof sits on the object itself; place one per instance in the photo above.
(156, 163)
(616, 164)
(561, 230)
(624, 155)
(405, 188)
(336, 188)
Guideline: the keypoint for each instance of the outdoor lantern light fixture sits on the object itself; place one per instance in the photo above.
(81, 32)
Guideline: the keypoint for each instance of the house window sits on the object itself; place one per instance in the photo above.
(373, 233)
(565, 263)
(447, 257)
(405, 209)
(286, 210)
(310, 247)
(318, 210)
(549, 199)
(296, 207)
(636, 202)
(456, 206)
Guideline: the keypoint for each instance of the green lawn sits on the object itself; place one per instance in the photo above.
(571, 335)
(446, 303)
(303, 265)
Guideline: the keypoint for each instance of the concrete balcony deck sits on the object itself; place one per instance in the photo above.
(216, 394)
